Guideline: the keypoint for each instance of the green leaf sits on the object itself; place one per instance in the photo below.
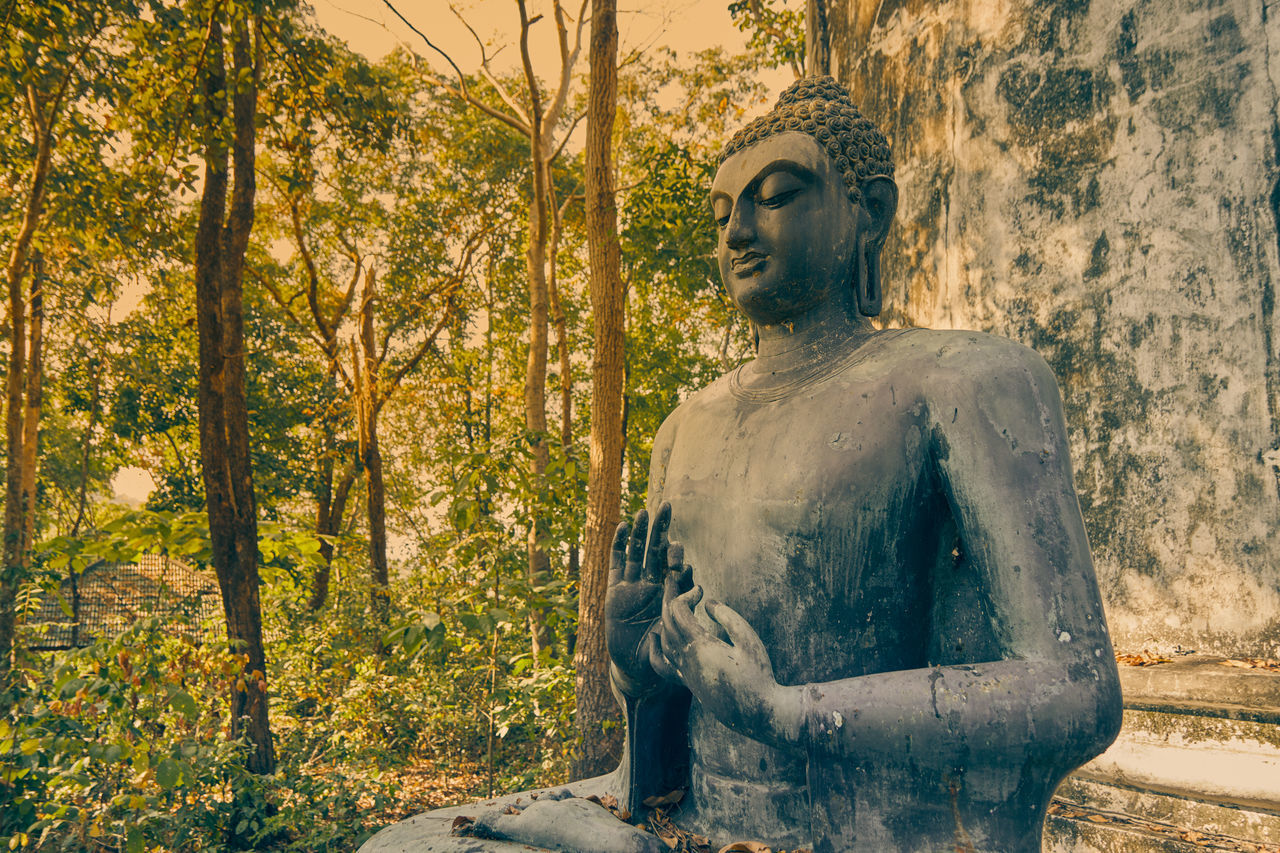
(168, 772)
(183, 703)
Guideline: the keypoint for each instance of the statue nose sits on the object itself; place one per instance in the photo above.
(741, 230)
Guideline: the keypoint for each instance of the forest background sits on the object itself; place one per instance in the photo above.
(342, 312)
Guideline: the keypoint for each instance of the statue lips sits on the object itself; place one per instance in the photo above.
(748, 263)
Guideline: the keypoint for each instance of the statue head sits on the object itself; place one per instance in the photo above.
(812, 178)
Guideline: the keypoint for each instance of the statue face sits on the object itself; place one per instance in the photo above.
(787, 229)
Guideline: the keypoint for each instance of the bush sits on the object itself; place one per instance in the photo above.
(124, 746)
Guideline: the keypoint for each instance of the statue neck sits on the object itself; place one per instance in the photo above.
(796, 345)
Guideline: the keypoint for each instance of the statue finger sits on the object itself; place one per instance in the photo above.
(618, 554)
(685, 581)
(682, 613)
(674, 643)
(671, 588)
(635, 549)
(675, 556)
(657, 660)
(737, 629)
(671, 632)
(655, 559)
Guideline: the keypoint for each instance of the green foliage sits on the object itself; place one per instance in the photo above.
(682, 331)
(184, 536)
(776, 31)
(123, 745)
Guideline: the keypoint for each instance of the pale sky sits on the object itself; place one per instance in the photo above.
(369, 27)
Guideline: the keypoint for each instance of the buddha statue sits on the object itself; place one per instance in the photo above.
(861, 612)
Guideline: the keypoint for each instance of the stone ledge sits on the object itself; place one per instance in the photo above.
(1212, 759)
(1202, 685)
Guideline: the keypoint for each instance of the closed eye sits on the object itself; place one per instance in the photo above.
(779, 199)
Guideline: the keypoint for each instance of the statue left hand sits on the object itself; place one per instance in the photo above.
(732, 677)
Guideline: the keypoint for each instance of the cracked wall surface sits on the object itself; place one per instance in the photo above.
(1099, 181)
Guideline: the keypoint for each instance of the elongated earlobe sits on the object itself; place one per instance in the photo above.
(866, 279)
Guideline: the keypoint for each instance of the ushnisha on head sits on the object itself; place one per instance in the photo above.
(804, 198)
(822, 108)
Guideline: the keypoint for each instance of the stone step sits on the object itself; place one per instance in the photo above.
(1077, 829)
(1196, 766)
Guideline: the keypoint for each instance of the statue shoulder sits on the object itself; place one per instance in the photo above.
(951, 360)
(959, 370)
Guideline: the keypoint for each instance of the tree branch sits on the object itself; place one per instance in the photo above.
(380, 396)
(568, 58)
(487, 71)
(531, 80)
(461, 91)
(313, 277)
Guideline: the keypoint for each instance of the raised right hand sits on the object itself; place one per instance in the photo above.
(633, 603)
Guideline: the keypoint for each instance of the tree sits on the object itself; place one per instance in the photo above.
(537, 119)
(381, 253)
(52, 75)
(779, 33)
(604, 486)
(222, 238)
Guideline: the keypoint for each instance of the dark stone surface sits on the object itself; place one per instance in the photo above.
(864, 616)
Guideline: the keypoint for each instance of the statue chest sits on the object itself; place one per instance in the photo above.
(816, 518)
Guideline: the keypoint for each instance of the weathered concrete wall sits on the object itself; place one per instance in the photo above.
(1099, 180)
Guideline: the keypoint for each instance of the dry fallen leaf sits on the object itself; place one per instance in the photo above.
(686, 842)
(461, 822)
(666, 799)
(1252, 663)
(746, 847)
(1143, 659)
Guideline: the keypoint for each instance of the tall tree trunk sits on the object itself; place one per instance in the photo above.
(371, 458)
(324, 504)
(331, 500)
(817, 37)
(331, 506)
(601, 746)
(224, 421)
(832, 32)
(561, 324)
(15, 556)
(33, 403)
(14, 511)
(535, 387)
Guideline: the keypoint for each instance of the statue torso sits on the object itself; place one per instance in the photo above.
(814, 515)
(814, 511)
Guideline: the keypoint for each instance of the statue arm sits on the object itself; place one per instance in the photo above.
(1051, 692)
(999, 449)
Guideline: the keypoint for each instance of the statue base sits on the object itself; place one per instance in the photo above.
(548, 819)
